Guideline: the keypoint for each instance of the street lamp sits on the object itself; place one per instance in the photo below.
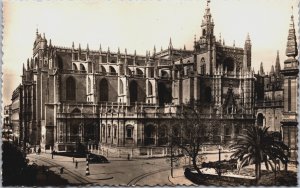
(219, 165)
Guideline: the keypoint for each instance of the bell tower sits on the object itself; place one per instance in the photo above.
(291, 83)
(207, 26)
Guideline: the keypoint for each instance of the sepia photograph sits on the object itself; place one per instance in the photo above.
(150, 93)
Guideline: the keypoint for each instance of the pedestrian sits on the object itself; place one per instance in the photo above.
(61, 170)
(76, 164)
(73, 159)
(39, 150)
(53, 153)
(128, 156)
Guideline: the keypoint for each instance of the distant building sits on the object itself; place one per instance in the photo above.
(16, 117)
(7, 127)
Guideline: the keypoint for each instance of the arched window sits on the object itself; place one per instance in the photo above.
(164, 93)
(70, 89)
(103, 89)
(129, 72)
(133, 89)
(121, 87)
(164, 74)
(228, 64)
(260, 119)
(103, 70)
(59, 62)
(76, 111)
(89, 85)
(82, 68)
(75, 66)
(112, 70)
(150, 92)
(139, 72)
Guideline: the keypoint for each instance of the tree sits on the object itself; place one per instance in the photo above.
(255, 146)
(194, 132)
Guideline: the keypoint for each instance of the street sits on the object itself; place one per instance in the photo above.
(118, 172)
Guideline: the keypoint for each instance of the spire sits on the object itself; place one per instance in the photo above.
(233, 43)
(261, 70)
(161, 49)
(79, 52)
(50, 43)
(223, 42)
(87, 47)
(154, 51)
(272, 70)
(100, 48)
(170, 44)
(134, 53)
(125, 51)
(184, 48)
(72, 44)
(108, 51)
(277, 64)
(37, 32)
(220, 38)
(24, 69)
(291, 49)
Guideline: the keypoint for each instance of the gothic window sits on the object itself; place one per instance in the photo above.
(89, 85)
(82, 68)
(164, 93)
(203, 32)
(75, 66)
(59, 62)
(103, 70)
(70, 88)
(112, 70)
(103, 89)
(129, 72)
(164, 74)
(139, 72)
(133, 89)
(150, 88)
(121, 87)
(228, 64)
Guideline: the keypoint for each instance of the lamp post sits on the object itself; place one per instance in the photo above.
(219, 165)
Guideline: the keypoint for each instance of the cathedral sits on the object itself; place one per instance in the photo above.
(100, 98)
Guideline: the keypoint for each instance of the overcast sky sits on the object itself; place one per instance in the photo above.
(141, 24)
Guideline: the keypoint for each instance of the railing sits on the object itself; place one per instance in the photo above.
(269, 103)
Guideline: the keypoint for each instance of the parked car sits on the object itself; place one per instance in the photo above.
(97, 159)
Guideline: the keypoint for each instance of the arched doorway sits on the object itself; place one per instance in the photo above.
(103, 90)
(164, 94)
(133, 89)
(260, 119)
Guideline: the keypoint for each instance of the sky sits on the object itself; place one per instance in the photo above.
(139, 25)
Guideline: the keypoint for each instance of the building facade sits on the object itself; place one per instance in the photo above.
(73, 96)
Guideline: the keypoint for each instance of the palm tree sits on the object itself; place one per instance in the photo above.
(255, 146)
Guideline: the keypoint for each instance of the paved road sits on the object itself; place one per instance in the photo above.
(117, 172)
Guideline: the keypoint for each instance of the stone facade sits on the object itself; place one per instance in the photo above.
(72, 96)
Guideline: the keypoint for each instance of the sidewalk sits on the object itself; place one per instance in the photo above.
(179, 178)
